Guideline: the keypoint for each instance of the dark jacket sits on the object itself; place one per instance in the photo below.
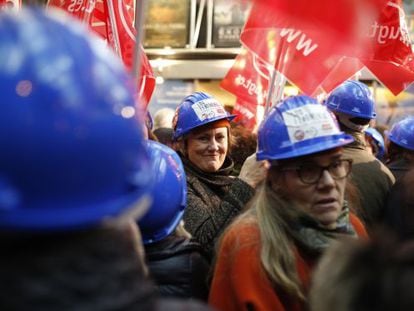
(179, 267)
(400, 207)
(398, 167)
(372, 178)
(213, 200)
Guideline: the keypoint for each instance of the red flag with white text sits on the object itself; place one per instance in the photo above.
(392, 63)
(248, 79)
(82, 9)
(305, 41)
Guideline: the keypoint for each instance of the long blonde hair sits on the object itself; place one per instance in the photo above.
(277, 255)
(268, 210)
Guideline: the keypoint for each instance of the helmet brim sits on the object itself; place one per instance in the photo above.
(302, 149)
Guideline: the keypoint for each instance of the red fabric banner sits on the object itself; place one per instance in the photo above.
(124, 26)
(392, 63)
(248, 80)
(247, 114)
(81, 9)
(306, 41)
(120, 35)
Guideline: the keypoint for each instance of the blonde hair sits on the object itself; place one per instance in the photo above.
(277, 256)
(269, 211)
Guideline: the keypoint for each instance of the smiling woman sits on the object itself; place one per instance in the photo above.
(266, 255)
(202, 132)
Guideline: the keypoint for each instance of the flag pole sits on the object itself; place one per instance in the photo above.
(114, 28)
(140, 6)
(270, 91)
(276, 78)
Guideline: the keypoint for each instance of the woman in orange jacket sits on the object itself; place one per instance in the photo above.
(267, 254)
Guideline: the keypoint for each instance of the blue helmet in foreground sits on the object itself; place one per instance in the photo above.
(197, 110)
(170, 194)
(352, 98)
(402, 133)
(298, 126)
(73, 153)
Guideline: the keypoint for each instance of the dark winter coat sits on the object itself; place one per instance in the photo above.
(179, 267)
(398, 167)
(372, 178)
(213, 200)
(400, 207)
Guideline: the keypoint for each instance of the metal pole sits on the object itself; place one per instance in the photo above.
(140, 6)
(271, 88)
(209, 24)
(193, 13)
(198, 23)
(114, 28)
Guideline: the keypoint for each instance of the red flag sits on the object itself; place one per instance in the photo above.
(81, 9)
(247, 114)
(120, 35)
(390, 35)
(395, 78)
(248, 80)
(305, 41)
(99, 19)
(124, 25)
(392, 62)
(343, 70)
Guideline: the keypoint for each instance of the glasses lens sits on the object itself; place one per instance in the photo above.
(309, 173)
(339, 169)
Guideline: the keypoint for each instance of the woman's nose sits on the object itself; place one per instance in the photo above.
(213, 144)
(326, 180)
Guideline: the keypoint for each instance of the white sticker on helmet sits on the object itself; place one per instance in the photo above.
(208, 108)
(308, 122)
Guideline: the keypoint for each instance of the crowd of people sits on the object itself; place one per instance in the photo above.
(103, 207)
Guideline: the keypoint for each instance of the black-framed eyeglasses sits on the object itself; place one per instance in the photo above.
(310, 173)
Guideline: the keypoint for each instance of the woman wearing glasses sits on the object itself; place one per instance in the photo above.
(266, 255)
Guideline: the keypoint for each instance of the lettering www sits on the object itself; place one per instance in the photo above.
(303, 43)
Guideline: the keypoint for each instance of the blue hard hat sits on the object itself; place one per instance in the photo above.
(352, 98)
(73, 153)
(196, 110)
(298, 126)
(379, 141)
(170, 194)
(402, 133)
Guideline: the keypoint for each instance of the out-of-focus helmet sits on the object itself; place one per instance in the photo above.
(402, 133)
(378, 140)
(72, 154)
(352, 98)
(298, 126)
(197, 110)
(170, 194)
